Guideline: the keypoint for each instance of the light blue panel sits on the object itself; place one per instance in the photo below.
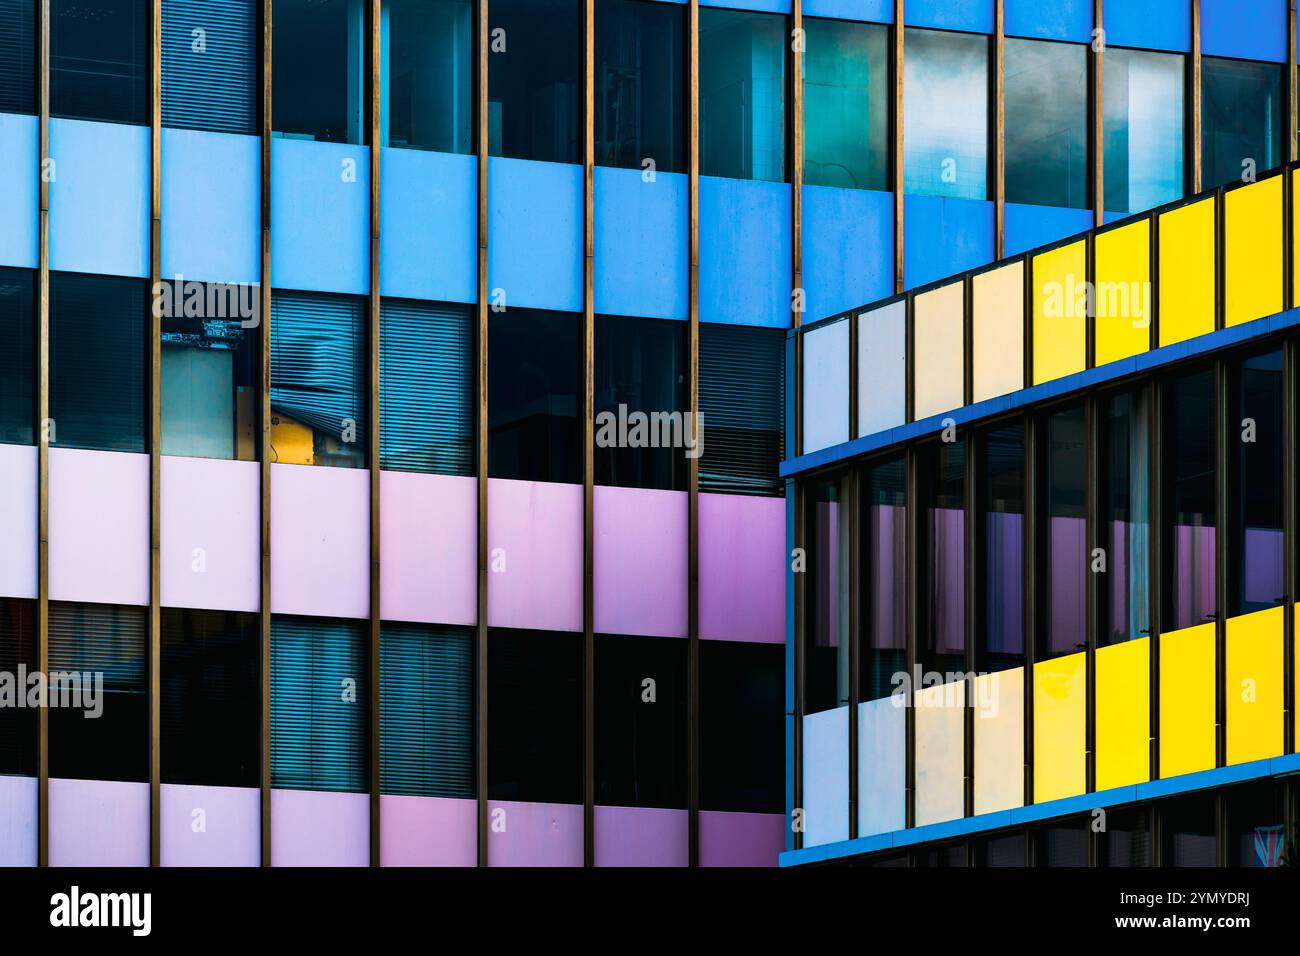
(877, 11)
(848, 249)
(942, 237)
(882, 368)
(1028, 227)
(765, 6)
(975, 16)
(211, 206)
(1248, 29)
(826, 386)
(642, 244)
(826, 777)
(99, 198)
(428, 225)
(19, 193)
(1149, 24)
(1058, 20)
(882, 767)
(535, 233)
(320, 216)
(745, 252)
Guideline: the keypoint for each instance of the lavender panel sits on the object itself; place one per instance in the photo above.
(98, 823)
(640, 561)
(740, 839)
(210, 555)
(17, 821)
(742, 568)
(534, 834)
(428, 547)
(18, 494)
(534, 555)
(1263, 575)
(641, 836)
(1192, 571)
(210, 826)
(427, 831)
(314, 828)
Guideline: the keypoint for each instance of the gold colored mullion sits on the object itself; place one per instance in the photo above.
(155, 435)
(42, 436)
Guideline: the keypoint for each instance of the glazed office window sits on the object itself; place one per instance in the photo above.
(1189, 827)
(1064, 469)
(319, 383)
(99, 60)
(209, 370)
(210, 79)
(1257, 455)
(1143, 115)
(534, 433)
(884, 571)
(741, 394)
(941, 631)
(1127, 839)
(1189, 519)
(1125, 471)
(846, 104)
(642, 431)
(945, 114)
(1046, 97)
(1001, 851)
(1061, 844)
(318, 72)
(210, 698)
(426, 387)
(641, 726)
(641, 85)
(319, 704)
(18, 358)
(426, 710)
(87, 640)
(18, 56)
(941, 857)
(742, 693)
(1000, 643)
(1256, 825)
(98, 357)
(826, 658)
(1241, 119)
(742, 94)
(427, 74)
(534, 740)
(535, 80)
(18, 725)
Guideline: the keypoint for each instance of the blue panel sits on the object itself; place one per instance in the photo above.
(882, 368)
(766, 6)
(790, 585)
(1249, 29)
(535, 233)
(1028, 227)
(19, 194)
(882, 766)
(878, 11)
(320, 216)
(826, 776)
(211, 199)
(826, 386)
(99, 198)
(975, 16)
(428, 234)
(848, 249)
(642, 244)
(942, 237)
(1149, 24)
(745, 252)
(1059, 20)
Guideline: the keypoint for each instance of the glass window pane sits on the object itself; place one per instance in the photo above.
(941, 636)
(1189, 519)
(18, 357)
(1241, 119)
(846, 104)
(18, 725)
(945, 114)
(1142, 98)
(640, 85)
(212, 80)
(1256, 825)
(884, 570)
(1046, 95)
(18, 56)
(826, 663)
(318, 79)
(953, 855)
(1127, 839)
(535, 80)
(1065, 462)
(1062, 844)
(742, 689)
(99, 60)
(1002, 479)
(1190, 831)
(742, 94)
(1258, 455)
(742, 388)
(1125, 470)
(1008, 850)
(428, 68)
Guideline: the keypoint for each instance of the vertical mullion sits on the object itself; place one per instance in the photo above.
(854, 505)
(1093, 531)
(376, 301)
(155, 430)
(912, 564)
(1222, 486)
(796, 165)
(1291, 111)
(1098, 55)
(692, 463)
(1030, 597)
(971, 571)
(43, 436)
(1289, 541)
(265, 416)
(999, 130)
(588, 435)
(481, 446)
(1195, 98)
(897, 160)
(1155, 544)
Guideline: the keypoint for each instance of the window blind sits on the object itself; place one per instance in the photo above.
(742, 387)
(18, 725)
(17, 56)
(214, 88)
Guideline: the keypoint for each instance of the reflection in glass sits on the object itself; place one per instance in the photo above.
(742, 94)
(1189, 517)
(99, 60)
(1001, 643)
(826, 663)
(1125, 471)
(945, 114)
(535, 80)
(1127, 839)
(318, 80)
(1065, 460)
(428, 75)
(1046, 94)
(884, 540)
(1241, 119)
(1190, 832)
(18, 357)
(1256, 825)
(1257, 450)
(1143, 122)
(846, 104)
(640, 85)
(941, 637)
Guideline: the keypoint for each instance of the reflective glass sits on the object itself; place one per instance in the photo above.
(640, 85)
(428, 75)
(742, 94)
(1241, 119)
(846, 104)
(318, 72)
(945, 114)
(1143, 106)
(1046, 96)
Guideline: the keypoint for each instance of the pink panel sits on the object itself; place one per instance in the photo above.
(428, 546)
(320, 541)
(641, 561)
(18, 495)
(534, 834)
(742, 568)
(210, 527)
(17, 821)
(642, 836)
(210, 826)
(99, 526)
(427, 831)
(98, 823)
(535, 555)
(315, 828)
(740, 839)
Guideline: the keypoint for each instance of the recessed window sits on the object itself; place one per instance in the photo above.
(846, 104)
(1241, 120)
(1062, 844)
(318, 71)
(18, 725)
(211, 65)
(18, 358)
(1190, 500)
(535, 80)
(884, 537)
(941, 635)
(18, 65)
(1046, 97)
(428, 64)
(1064, 533)
(945, 114)
(1190, 830)
(1257, 451)
(1127, 839)
(741, 728)
(826, 652)
(1142, 98)
(99, 60)
(1001, 642)
(742, 94)
(742, 395)
(1124, 467)
(1257, 825)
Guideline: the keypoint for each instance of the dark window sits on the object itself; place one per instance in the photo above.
(1007, 850)
(846, 104)
(742, 728)
(1257, 452)
(428, 75)
(826, 660)
(941, 635)
(946, 114)
(640, 85)
(18, 56)
(1001, 570)
(18, 723)
(884, 570)
(742, 391)
(934, 857)
(534, 432)
(1061, 844)
(1190, 829)
(1127, 840)
(1256, 825)
(318, 72)
(1065, 558)
(534, 716)
(1189, 523)
(742, 94)
(888, 862)
(211, 64)
(1046, 93)
(1241, 119)
(99, 60)
(18, 357)
(1143, 128)
(97, 362)
(1125, 470)
(211, 698)
(535, 80)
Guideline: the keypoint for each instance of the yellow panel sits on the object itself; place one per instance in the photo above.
(1187, 719)
(1186, 286)
(998, 331)
(1123, 292)
(1060, 735)
(1252, 281)
(291, 442)
(940, 752)
(1295, 231)
(1060, 312)
(1123, 714)
(1253, 683)
(1000, 740)
(939, 329)
(1296, 658)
